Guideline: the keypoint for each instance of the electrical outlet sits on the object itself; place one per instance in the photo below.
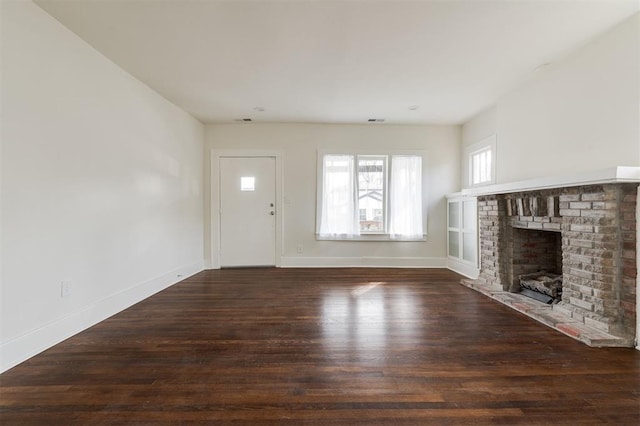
(65, 289)
(300, 248)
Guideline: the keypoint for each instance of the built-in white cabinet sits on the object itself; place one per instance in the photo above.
(462, 235)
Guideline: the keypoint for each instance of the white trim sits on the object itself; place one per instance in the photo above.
(468, 269)
(214, 218)
(619, 174)
(368, 262)
(20, 348)
(371, 237)
(380, 152)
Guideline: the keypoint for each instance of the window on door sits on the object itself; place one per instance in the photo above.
(370, 196)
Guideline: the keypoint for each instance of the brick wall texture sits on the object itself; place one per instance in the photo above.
(594, 229)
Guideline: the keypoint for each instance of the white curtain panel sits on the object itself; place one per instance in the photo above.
(405, 197)
(339, 204)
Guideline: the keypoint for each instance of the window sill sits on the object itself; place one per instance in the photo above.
(370, 237)
(481, 184)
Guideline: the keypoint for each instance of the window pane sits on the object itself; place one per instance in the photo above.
(454, 214)
(454, 244)
(469, 246)
(247, 183)
(476, 169)
(338, 202)
(481, 167)
(405, 197)
(485, 162)
(469, 215)
(371, 172)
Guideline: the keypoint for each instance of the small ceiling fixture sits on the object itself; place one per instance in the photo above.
(542, 67)
(242, 120)
(375, 120)
(259, 109)
(414, 107)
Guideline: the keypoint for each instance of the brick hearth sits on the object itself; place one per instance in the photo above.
(595, 228)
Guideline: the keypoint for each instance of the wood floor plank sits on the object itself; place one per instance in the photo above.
(322, 347)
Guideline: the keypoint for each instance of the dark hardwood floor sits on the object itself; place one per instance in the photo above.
(324, 347)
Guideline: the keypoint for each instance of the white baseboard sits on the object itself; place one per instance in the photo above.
(363, 262)
(463, 268)
(19, 349)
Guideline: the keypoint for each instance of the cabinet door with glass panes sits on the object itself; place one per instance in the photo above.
(463, 229)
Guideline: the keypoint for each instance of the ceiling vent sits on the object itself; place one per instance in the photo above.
(375, 120)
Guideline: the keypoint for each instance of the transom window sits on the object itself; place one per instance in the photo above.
(370, 195)
(480, 166)
(481, 162)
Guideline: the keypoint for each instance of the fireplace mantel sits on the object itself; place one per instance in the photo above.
(618, 174)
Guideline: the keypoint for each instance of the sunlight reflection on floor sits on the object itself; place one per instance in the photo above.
(362, 319)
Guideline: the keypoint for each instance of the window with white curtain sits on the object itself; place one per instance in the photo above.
(338, 216)
(370, 196)
(405, 204)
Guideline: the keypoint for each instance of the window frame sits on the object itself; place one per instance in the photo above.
(372, 236)
(487, 144)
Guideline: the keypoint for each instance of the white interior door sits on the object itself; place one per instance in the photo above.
(247, 211)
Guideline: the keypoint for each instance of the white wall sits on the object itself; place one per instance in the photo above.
(580, 114)
(299, 143)
(582, 110)
(480, 127)
(101, 186)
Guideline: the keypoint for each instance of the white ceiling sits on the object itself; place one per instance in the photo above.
(336, 61)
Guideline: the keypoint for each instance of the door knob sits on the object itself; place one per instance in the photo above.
(270, 204)
(272, 213)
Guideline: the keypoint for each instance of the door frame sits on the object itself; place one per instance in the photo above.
(214, 200)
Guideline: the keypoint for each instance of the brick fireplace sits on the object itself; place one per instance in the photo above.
(586, 234)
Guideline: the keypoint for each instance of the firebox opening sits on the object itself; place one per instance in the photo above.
(536, 267)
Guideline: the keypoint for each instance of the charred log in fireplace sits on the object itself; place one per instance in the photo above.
(542, 286)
